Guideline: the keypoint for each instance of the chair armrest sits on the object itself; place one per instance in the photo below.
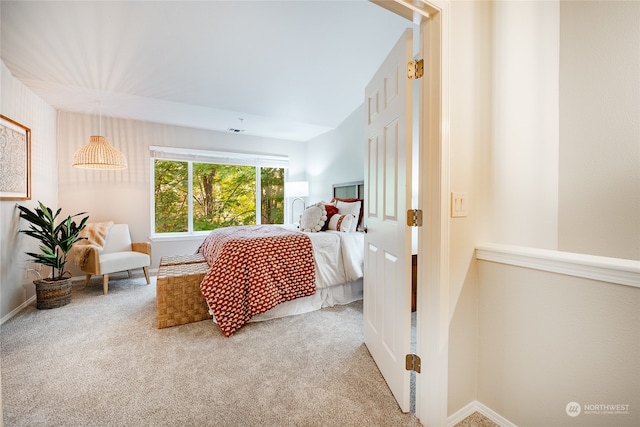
(92, 262)
(144, 247)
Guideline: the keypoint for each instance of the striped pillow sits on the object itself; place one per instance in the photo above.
(341, 222)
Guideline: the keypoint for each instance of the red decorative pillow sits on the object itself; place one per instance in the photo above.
(331, 211)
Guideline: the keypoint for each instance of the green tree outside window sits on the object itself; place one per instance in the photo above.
(222, 195)
(171, 193)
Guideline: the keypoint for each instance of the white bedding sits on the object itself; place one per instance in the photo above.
(339, 257)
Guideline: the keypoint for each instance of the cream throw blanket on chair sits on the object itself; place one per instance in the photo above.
(96, 235)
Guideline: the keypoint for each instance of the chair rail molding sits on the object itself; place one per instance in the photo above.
(612, 270)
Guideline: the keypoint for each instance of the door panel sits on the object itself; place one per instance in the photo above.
(391, 171)
(387, 278)
(372, 178)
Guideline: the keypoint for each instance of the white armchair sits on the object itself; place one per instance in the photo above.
(118, 254)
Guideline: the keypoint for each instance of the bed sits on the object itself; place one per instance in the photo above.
(263, 272)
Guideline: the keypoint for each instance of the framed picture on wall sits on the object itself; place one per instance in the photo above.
(15, 160)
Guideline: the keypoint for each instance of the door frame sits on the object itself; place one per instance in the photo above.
(433, 311)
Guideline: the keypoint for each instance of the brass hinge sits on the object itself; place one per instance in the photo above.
(414, 218)
(415, 69)
(413, 363)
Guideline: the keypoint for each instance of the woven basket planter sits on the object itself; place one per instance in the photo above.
(52, 294)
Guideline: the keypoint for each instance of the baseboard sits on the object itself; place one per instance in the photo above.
(18, 309)
(476, 406)
(462, 413)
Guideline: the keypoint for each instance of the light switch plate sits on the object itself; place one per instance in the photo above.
(459, 204)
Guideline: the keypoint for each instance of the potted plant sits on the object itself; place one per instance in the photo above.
(56, 241)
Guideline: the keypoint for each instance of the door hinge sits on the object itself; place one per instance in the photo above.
(415, 69)
(413, 363)
(414, 218)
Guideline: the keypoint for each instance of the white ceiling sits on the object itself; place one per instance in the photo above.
(291, 69)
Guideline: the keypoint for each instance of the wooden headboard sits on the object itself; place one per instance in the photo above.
(349, 190)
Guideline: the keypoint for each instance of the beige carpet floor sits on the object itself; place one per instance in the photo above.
(100, 361)
(476, 420)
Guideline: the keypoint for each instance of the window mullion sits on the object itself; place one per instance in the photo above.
(258, 196)
(153, 195)
(190, 196)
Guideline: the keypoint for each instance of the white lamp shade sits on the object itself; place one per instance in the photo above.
(296, 189)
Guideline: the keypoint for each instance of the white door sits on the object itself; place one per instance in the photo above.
(387, 262)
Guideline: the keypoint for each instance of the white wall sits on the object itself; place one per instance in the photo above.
(524, 154)
(470, 148)
(23, 106)
(545, 182)
(125, 196)
(336, 156)
(599, 210)
(503, 148)
(547, 339)
(562, 169)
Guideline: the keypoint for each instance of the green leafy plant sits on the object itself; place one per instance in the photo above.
(56, 240)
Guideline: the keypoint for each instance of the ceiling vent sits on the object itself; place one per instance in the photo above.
(237, 130)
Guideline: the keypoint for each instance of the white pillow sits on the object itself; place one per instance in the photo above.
(350, 208)
(313, 218)
(341, 222)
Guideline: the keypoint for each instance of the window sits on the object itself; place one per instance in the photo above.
(349, 190)
(196, 191)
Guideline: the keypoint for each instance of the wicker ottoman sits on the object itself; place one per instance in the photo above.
(182, 259)
(178, 297)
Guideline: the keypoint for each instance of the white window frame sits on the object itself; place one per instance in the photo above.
(205, 156)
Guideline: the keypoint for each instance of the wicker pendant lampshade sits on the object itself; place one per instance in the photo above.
(99, 154)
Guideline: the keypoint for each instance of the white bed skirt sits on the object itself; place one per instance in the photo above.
(326, 297)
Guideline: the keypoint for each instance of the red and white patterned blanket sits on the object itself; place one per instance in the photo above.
(252, 269)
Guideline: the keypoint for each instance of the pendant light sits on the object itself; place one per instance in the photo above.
(99, 154)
